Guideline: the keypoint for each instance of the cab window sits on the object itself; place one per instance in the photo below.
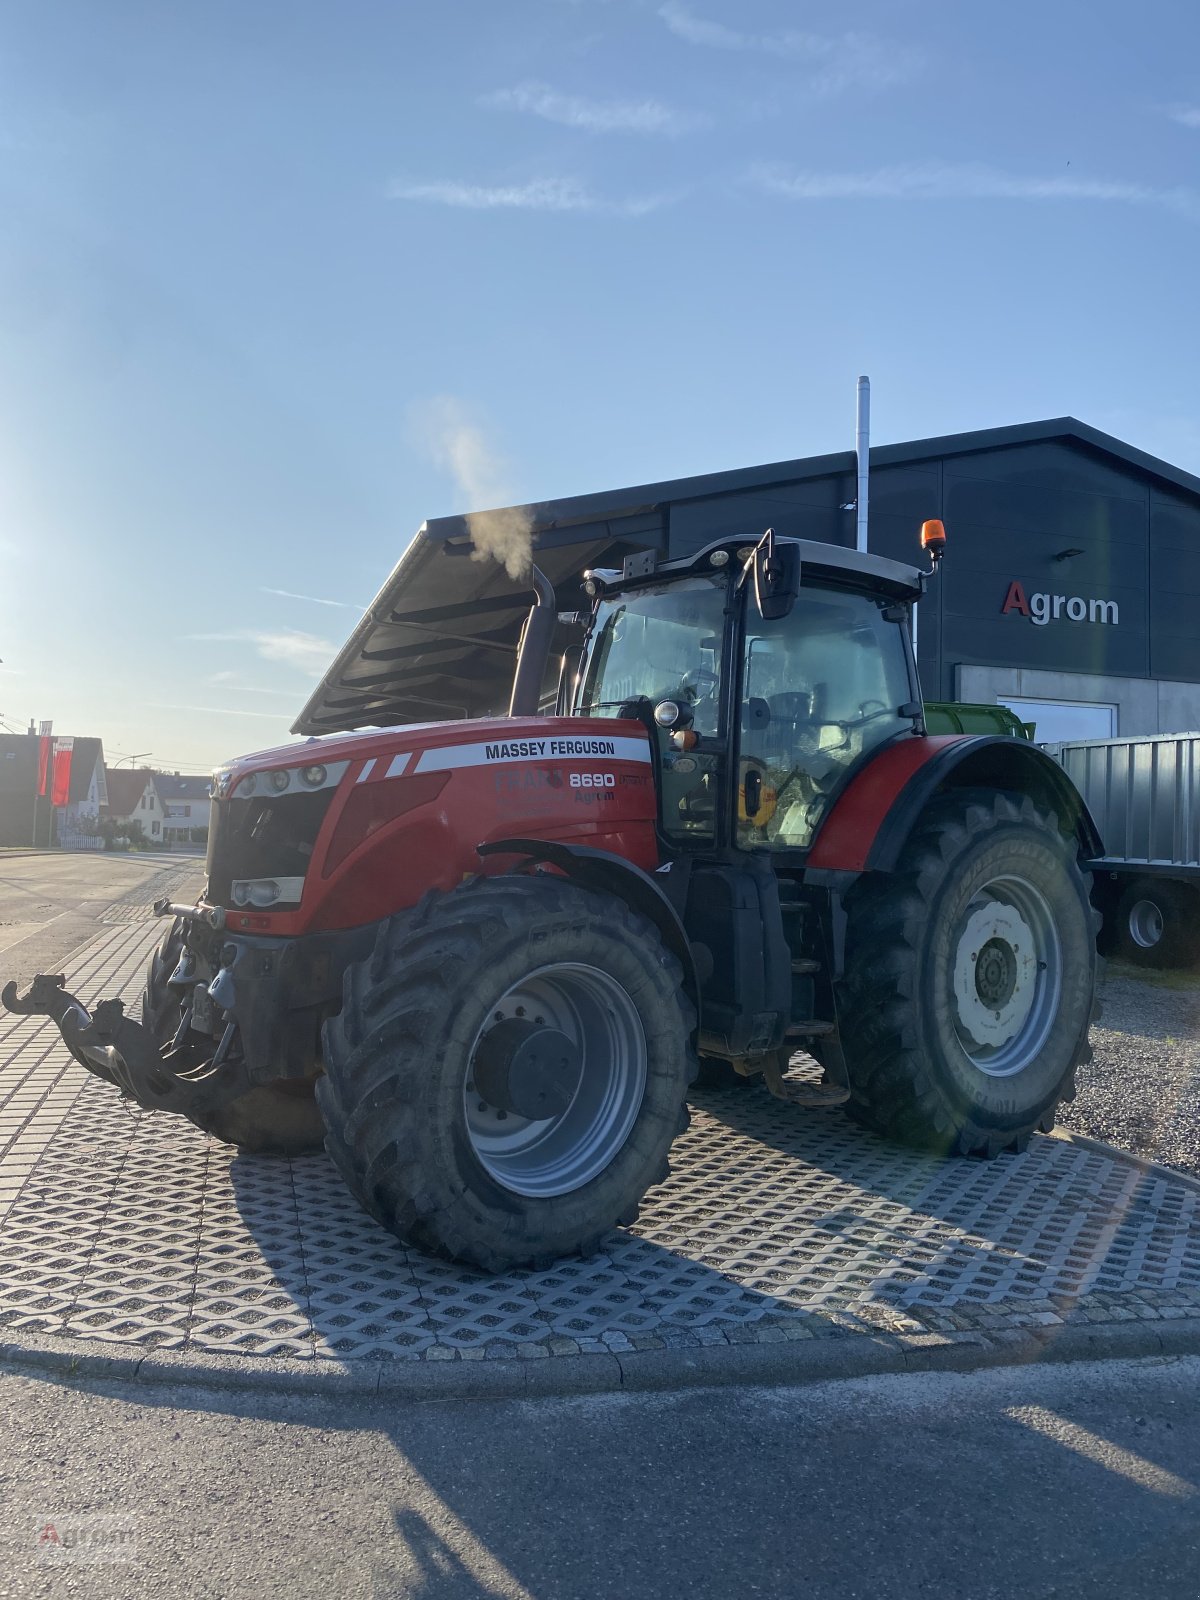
(820, 687)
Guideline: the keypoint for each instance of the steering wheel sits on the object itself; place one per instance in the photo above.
(865, 714)
(698, 684)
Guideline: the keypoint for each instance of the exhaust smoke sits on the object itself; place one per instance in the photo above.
(459, 446)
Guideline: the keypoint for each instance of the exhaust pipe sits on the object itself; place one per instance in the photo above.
(862, 450)
(533, 653)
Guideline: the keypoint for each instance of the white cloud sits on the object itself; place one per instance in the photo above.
(220, 711)
(304, 651)
(313, 599)
(594, 116)
(229, 681)
(539, 194)
(696, 30)
(947, 181)
(1186, 116)
(836, 62)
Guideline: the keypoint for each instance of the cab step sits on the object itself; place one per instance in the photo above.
(813, 1029)
(803, 966)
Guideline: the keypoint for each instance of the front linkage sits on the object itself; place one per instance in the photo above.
(158, 1073)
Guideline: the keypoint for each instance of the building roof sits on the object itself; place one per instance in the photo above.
(175, 786)
(126, 786)
(19, 764)
(430, 643)
(85, 757)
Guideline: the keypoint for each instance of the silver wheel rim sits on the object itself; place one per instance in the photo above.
(561, 1153)
(1007, 976)
(1145, 924)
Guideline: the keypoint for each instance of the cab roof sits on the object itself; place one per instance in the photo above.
(894, 580)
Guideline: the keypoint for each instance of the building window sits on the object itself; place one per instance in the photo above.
(154, 827)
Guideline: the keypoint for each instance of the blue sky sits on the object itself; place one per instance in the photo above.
(264, 267)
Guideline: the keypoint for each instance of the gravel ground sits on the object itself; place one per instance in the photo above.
(1142, 1091)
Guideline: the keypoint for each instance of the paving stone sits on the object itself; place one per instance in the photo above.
(135, 1229)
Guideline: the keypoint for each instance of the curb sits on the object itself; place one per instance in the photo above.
(1115, 1153)
(786, 1364)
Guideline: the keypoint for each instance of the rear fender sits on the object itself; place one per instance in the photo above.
(609, 874)
(877, 811)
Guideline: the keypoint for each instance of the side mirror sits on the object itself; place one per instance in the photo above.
(776, 577)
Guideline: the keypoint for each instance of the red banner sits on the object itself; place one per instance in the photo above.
(43, 763)
(61, 791)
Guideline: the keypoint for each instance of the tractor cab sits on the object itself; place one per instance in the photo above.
(761, 704)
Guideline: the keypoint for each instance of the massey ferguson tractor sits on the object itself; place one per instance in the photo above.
(482, 962)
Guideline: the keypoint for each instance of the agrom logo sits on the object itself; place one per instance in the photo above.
(1043, 608)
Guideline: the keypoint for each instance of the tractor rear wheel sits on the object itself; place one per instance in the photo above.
(970, 976)
(279, 1118)
(508, 1070)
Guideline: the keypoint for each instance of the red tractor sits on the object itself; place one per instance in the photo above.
(483, 961)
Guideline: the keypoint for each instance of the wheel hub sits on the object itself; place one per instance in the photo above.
(555, 1079)
(1145, 924)
(527, 1070)
(995, 973)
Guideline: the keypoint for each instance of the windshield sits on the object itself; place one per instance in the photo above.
(658, 644)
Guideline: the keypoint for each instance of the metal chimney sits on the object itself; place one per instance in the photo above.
(862, 448)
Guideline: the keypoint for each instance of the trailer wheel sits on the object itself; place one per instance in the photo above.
(280, 1118)
(970, 977)
(1157, 924)
(508, 1070)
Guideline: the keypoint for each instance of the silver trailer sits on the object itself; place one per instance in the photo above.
(1144, 797)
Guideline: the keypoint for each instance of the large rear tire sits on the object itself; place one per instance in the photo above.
(279, 1118)
(508, 1071)
(970, 979)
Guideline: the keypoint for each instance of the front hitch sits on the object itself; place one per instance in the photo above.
(123, 1052)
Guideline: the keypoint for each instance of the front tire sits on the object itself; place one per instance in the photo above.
(970, 977)
(508, 1071)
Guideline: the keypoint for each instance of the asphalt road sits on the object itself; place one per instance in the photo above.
(1052, 1481)
(51, 904)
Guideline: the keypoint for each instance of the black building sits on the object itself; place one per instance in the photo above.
(1071, 586)
(27, 818)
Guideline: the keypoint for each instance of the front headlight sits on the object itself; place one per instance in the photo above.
(264, 892)
(287, 780)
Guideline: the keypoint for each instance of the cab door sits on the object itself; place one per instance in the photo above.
(820, 688)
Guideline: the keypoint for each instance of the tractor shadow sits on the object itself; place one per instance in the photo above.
(772, 1215)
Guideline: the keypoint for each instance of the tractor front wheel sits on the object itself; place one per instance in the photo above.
(970, 976)
(508, 1070)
